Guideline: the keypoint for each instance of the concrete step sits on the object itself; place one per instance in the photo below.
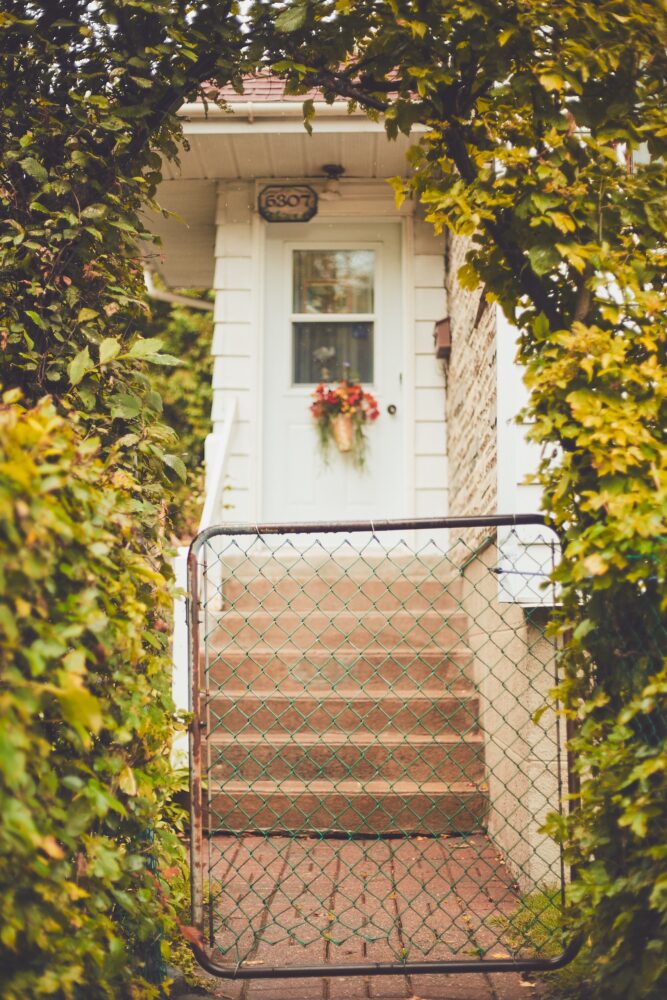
(346, 711)
(334, 756)
(374, 807)
(333, 630)
(375, 670)
(335, 591)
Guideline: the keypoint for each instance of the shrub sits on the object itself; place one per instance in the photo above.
(86, 717)
(187, 395)
(617, 841)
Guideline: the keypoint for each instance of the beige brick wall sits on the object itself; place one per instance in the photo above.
(471, 394)
(514, 671)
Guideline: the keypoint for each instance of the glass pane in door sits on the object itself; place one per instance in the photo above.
(328, 285)
(333, 281)
(328, 351)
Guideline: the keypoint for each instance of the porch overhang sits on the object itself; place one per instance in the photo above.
(257, 139)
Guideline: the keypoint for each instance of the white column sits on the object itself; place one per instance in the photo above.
(235, 345)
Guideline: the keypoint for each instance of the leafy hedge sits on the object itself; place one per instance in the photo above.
(533, 114)
(88, 97)
(86, 717)
(187, 394)
(545, 142)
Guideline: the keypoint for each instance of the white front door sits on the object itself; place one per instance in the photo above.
(333, 307)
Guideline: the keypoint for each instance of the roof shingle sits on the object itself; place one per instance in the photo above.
(264, 88)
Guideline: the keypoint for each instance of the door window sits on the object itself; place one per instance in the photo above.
(333, 315)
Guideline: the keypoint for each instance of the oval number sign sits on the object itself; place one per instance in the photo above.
(287, 203)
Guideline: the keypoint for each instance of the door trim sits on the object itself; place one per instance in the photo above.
(404, 226)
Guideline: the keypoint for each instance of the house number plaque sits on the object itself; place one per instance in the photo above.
(287, 203)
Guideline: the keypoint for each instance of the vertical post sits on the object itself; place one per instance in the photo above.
(179, 654)
(196, 816)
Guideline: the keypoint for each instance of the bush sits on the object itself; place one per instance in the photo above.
(86, 718)
(187, 395)
(616, 839)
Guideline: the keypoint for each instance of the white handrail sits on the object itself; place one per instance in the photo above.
(164, 295)
(220, 444)
(215, 483)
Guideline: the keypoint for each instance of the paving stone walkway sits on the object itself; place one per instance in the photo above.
(303, 900)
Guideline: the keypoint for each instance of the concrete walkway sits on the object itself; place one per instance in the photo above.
(281, 901)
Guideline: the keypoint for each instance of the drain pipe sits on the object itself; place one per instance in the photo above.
(178, 300)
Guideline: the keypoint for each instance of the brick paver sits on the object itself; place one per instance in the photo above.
(304, 900)
(444, 987)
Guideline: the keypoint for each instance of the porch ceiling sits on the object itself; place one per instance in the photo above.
(272, 148)
(255, 142)
(185, 258)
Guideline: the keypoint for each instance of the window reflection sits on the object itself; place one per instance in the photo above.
(327, 283)
(323, 351)
(333, 281)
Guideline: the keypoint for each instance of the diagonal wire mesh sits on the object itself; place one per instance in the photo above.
(370, 775)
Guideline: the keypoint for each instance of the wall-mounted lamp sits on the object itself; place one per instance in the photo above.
(442, 338)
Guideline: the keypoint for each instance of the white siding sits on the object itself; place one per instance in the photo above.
(235, 343)
(238, 336)
(430, 305)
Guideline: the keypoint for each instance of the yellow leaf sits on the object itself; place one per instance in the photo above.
(564, 222)
(468, 277)
(51, 847)
(127, 781)
(595, 564)
(551, 81)
(75, 661)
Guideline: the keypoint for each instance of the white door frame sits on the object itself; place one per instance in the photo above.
(260, 237)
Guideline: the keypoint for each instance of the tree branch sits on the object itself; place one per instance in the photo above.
(345, 88)
(584, 299)
(529, 282)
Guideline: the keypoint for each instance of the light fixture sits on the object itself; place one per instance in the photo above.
(332, 189)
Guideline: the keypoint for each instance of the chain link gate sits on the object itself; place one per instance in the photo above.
(367, 779)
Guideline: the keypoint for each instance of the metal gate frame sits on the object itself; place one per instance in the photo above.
(456, 966)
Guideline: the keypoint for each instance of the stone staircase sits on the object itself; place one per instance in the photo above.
(341, 701)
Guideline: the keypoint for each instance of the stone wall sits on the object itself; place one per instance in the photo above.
(514, 670)
(471, 393)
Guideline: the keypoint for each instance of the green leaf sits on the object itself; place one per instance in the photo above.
(35, 169)
(85, 315)
(79, 365)
(80, 708)
(543, 259)
(109, 349)
(36, 318)
(124, 406)
(94, 212)
(143, 348)
(291, 19)
(177, 464)
(162, 359)
(154, 401)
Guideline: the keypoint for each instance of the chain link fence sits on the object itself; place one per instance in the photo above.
(368, 778)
